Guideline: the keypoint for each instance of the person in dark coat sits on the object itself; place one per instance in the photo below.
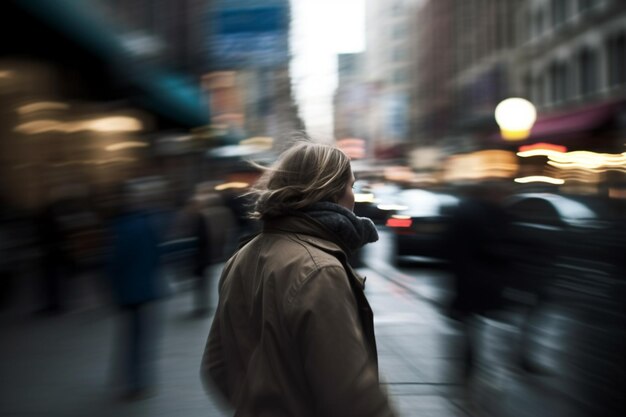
(477, 242)
(134, 271)
(60, 223)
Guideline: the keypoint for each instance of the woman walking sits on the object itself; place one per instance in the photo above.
(293, 333)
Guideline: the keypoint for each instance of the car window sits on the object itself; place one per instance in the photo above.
(550, 209)
(571, 209)
(534, 210)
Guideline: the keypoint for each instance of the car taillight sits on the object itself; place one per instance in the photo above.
(399, 222)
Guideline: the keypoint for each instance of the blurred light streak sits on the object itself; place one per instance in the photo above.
(231, 185)
(264, 142)
(93, 162)
(114, 124)
(596, 167)
(544, 146)
(538, 152)
(587, 159)
(363, 198)
(574, 167)
(399, 222)
(491, 163)
(394, 207)
(41, 126)
(183, 138)
(104, 124)
(539, 178)
(6, 74)
(126, 145)
(42, 105)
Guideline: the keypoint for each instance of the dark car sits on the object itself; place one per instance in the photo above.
(420, 224)
(564, 242)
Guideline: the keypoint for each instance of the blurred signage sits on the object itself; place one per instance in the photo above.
(353, 147)
(266, 19)
(480, 165)
(252, 37)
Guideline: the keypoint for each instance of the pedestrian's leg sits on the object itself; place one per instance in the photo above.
(134, 348)
(201, 294)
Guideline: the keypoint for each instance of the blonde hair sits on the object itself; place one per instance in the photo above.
(304, 174)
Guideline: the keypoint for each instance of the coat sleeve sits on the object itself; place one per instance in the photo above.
(213, 371)
(323, 320)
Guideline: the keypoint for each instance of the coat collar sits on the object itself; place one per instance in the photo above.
(308, 229)
(314, 233)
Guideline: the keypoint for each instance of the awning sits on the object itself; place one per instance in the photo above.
(578, 121)
(168, 94)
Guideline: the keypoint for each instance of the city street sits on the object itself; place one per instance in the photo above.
(61, 366)
(141, 139)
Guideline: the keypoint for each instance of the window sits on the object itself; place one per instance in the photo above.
(539, 95)
(528, 27)
(397, 9)
(559, 12)
(400, 76)
(559, 85)
(584, 5)
(538, 23)
(588, 71)
(399, 54)
(527, 85)
(616, 50)
(399, 31)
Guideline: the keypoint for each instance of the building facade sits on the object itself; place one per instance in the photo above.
(387, 72)
(568, 57)
(571, 63)
(350, 99)
(249, 39)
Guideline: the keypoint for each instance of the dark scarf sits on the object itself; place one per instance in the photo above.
(353, 232)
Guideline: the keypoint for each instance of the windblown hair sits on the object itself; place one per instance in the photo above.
(304, 174)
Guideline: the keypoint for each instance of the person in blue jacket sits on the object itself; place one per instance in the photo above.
(137, 281)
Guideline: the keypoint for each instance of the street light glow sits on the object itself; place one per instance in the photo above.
(515, 116)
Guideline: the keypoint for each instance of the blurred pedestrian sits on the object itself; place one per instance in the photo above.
(134, 270)
(477, 243)
(205, 229)
(63, 220)
(293, 333)
(216, 226)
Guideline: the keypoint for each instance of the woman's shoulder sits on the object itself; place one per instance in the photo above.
(285, 249)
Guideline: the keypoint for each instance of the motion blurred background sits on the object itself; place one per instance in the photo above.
(116, 106)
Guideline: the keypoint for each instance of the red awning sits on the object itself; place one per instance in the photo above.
(577, 121)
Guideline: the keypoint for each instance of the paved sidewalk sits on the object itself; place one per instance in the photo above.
(61, 366)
